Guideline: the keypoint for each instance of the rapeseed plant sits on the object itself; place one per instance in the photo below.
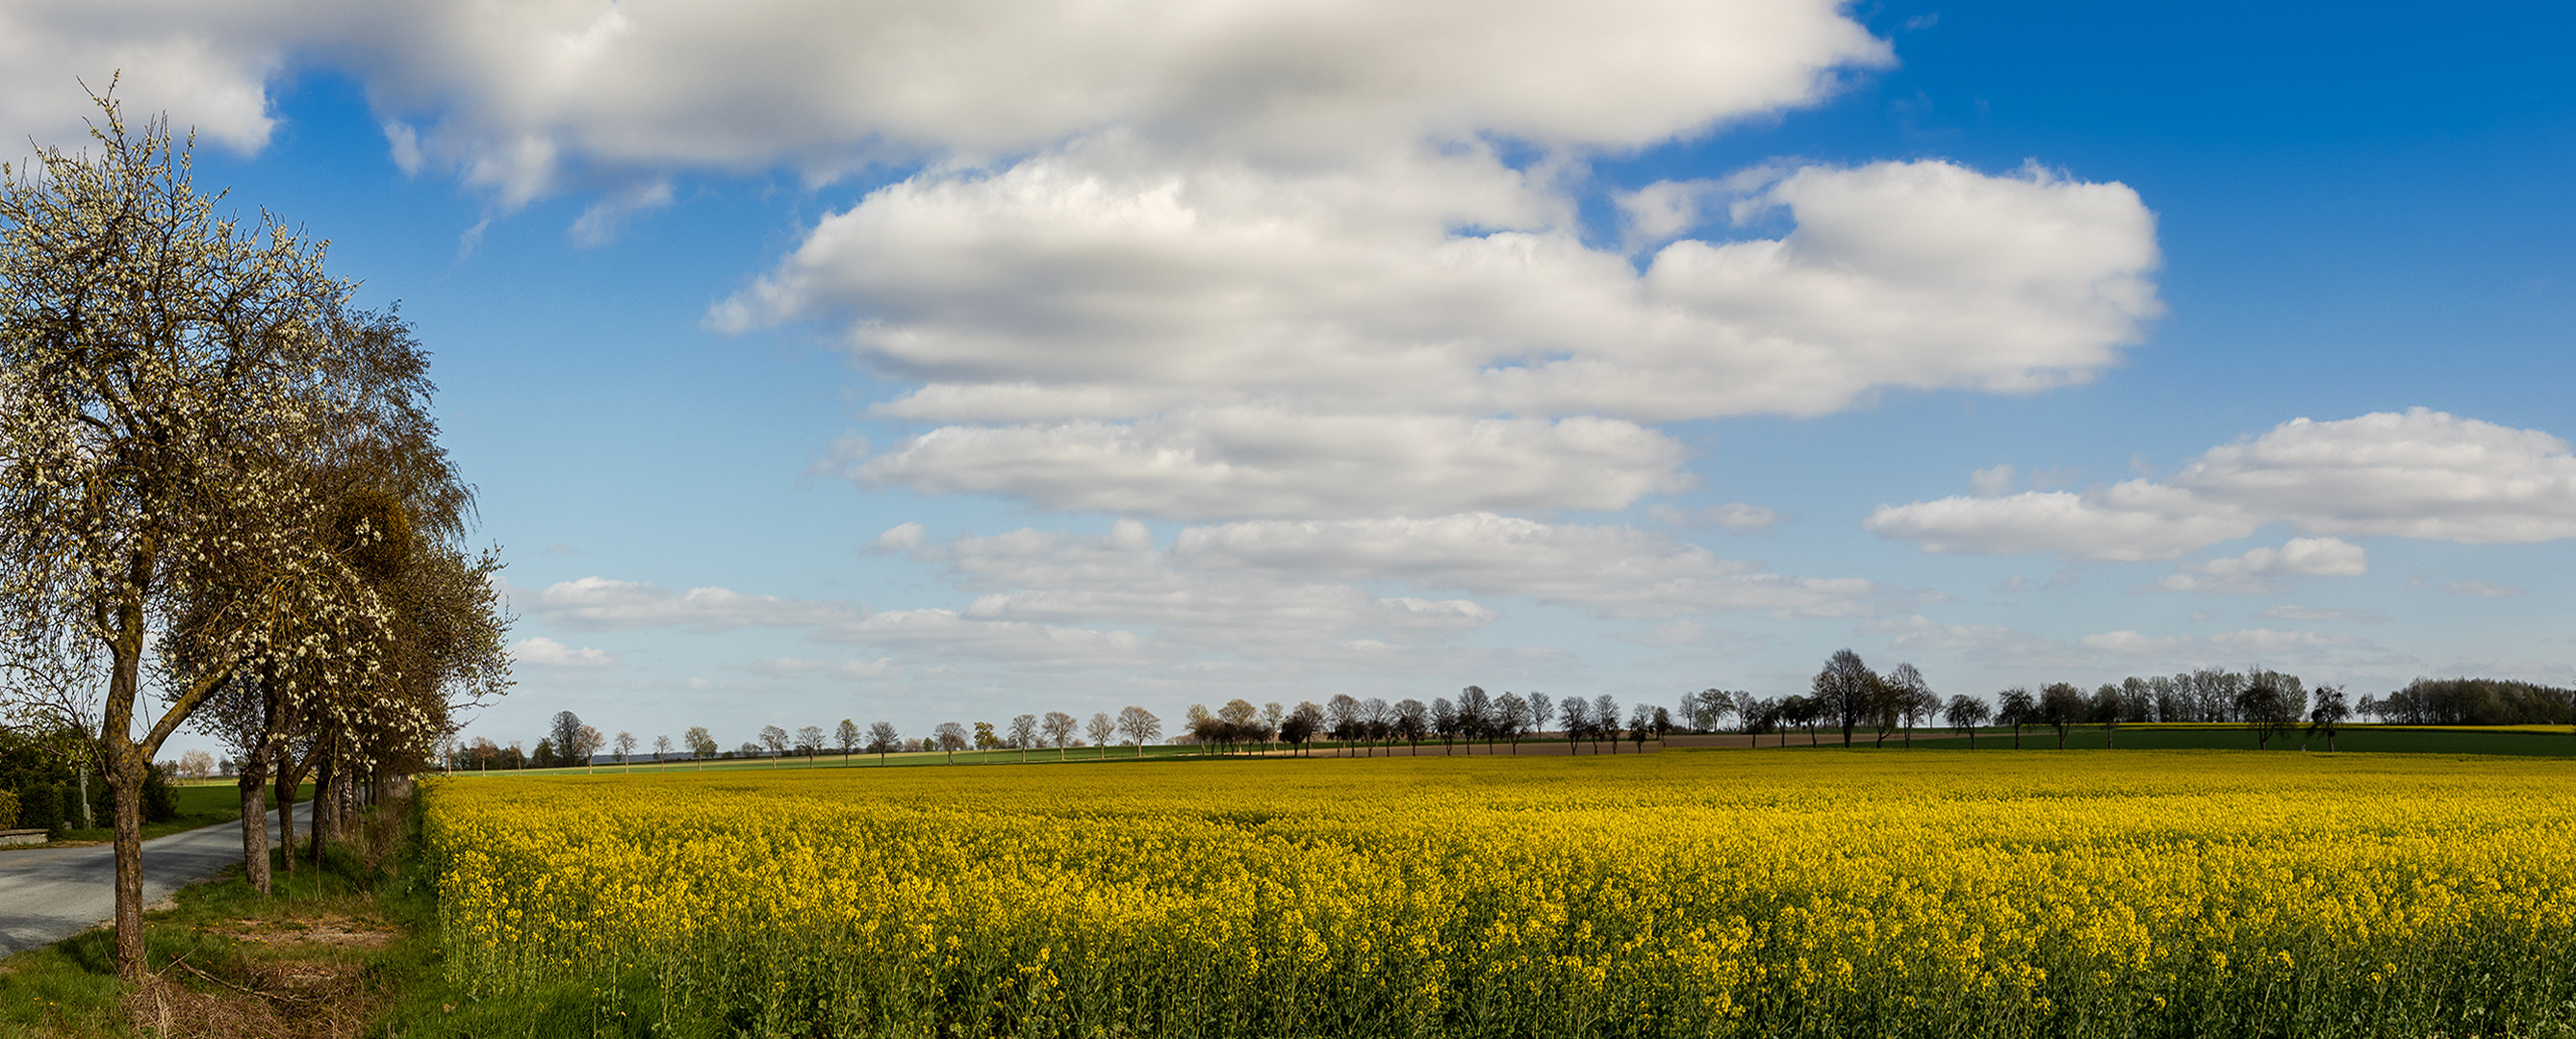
(1699, 894)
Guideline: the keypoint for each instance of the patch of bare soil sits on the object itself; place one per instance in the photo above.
(280, 969)
(281, 999)
(348, 931)
(298, 977)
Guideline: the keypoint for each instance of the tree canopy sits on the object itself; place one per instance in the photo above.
(216, 477)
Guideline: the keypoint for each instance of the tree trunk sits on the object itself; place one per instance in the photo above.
(288, 778)
(254, 810)
(344, 799)
(326, 803)
(123, 763)
(323, 806)
(125, 783)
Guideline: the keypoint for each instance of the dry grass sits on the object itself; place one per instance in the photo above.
(299, 972)
(282, 968)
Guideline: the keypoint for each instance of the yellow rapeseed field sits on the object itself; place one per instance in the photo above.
(1710, 893)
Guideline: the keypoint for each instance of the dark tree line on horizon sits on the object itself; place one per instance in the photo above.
(1474, 717)
(2473, 701)
(1845, 696)
(1848, 696)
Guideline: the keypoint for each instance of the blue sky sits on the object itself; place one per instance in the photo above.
(818, 361)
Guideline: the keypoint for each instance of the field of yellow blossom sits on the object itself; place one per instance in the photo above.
(1925, 893)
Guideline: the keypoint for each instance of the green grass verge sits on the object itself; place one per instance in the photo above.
(57, 992)
(332, 949)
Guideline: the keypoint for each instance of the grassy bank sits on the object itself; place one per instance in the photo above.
(335, 948)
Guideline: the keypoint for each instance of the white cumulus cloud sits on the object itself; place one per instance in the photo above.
(519, 97)
(599, 603)
(1731, 515)
(1266, 592)
(545, 652)
(2126, 522)
(942, 634)
(2418, 474)
(1206, 259)
(206, 64)
(1614, 571)
(1107, 328)
(1245, 461)
(2259, 570)
(2112, 653)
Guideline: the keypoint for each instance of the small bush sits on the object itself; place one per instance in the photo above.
(160, 802)
(71, 810)
(40, 807)
(8, 810)
(342, 860)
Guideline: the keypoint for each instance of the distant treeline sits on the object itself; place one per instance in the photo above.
(2474, 701)
(1866, 700)
(2214, 695)
(2206, 695)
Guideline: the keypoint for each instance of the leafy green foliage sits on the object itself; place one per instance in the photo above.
(160, 802)
(40, 807)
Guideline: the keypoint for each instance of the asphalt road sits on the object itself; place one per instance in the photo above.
(49, 894)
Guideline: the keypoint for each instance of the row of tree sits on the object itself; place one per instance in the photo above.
(222, 500)
(2268, 702)
(582, 744)
(2473, 701)
(1475, 716)
(1846, 694)
(1348, 721)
